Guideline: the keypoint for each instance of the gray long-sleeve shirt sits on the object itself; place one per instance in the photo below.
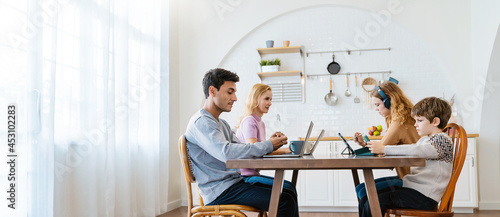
(432, 179)
(210, 144)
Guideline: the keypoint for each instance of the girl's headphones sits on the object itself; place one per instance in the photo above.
(386, 100)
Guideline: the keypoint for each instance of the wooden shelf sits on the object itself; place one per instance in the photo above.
(279, 73)
(273, 50)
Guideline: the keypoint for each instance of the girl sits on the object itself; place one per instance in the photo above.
(252, 129)
(390, 102)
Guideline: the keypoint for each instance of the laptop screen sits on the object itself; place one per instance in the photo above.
(307, 138)
(316, 143)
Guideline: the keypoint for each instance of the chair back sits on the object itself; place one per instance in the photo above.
(459, 138)
(186, 161)
(188, 172)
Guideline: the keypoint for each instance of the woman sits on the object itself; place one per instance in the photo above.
(390, 102)
(252, 129)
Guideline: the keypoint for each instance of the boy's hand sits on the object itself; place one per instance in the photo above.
(376, 147)
(278, 141)
(358, 139)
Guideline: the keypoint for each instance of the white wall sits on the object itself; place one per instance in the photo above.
(176, 177)
(208, 30)
(326, 28)
(485, 99)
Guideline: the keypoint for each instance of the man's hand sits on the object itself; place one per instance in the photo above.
(376, 147)
(359, 139)
(278, 140)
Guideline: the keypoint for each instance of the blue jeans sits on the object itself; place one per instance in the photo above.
(258, 195)
(380, 183)
(268, 181)
(397, 197)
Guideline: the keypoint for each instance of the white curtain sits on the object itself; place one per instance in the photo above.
(86, 76)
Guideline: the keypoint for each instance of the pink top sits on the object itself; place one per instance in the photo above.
(251, 126)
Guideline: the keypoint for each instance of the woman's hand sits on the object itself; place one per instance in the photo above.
(358, 139)
(376, 147)
(281, 151)
(278, 134)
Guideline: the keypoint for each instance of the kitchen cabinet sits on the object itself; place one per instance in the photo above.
(466, 193)
(315, 187)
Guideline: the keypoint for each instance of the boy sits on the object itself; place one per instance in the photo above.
(424, 186)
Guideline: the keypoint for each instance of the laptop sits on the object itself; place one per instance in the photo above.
(316, 143)
(365, 151)
(292, 155)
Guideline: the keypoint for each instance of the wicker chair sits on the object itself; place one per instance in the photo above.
(459, 137)
(202, 210)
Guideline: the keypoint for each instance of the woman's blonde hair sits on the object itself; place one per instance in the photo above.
(253, 100)
(400, 104)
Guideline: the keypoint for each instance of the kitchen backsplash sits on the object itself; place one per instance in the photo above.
(411, 61)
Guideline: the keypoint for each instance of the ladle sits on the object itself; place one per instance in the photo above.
(347, 92)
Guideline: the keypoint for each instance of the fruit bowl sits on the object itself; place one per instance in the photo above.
(375, 130)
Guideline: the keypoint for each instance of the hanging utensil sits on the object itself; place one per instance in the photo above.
(279, 122)
(347, 92)
(331, 98)
(333, 67)
(356, 99)
(368, 84)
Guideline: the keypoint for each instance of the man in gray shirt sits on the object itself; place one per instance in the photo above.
(211, 143)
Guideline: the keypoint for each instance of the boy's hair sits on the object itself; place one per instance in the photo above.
(216, 77)
(433, 107)
(400, 104)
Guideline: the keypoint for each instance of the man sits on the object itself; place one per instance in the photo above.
(211, 143)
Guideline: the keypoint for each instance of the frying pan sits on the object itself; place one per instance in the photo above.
(331, 98)
(333, 67)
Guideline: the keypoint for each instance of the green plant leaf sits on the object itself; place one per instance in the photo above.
(270, 62)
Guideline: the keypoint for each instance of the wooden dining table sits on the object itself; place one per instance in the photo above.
(327, 162)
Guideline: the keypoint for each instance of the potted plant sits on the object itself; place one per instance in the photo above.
(272, 65)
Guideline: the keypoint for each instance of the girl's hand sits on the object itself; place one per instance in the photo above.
(358, 139)
(376, 147)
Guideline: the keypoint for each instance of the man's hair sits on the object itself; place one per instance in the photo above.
(433, 107)
(216, 77)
